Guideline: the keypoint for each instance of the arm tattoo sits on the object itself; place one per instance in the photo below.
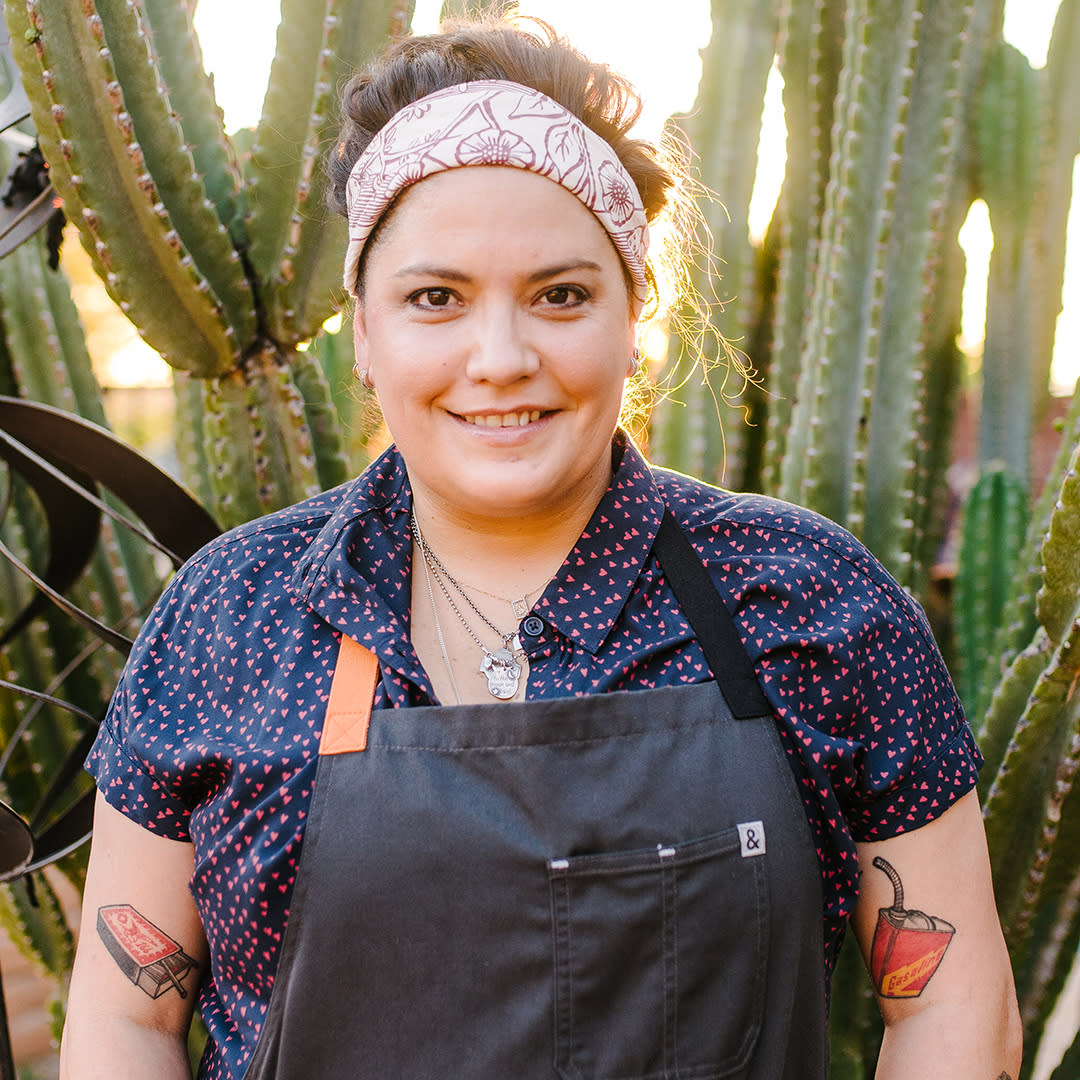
(1004, 1076)
(908, 945)
(144, 953)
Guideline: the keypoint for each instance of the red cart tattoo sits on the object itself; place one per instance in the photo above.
(144, 953)
(908, 945)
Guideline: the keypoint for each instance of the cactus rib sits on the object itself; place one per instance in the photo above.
(806, 36)
(261, 444)
(1008, 143)
(844, 336)
(932, 126)
(191, 94)
(1016, 805)
(708, 435)
(169, 162)
(306, 288)
(1057, 599)
(322, 420)
(99, 170)
(276, 166)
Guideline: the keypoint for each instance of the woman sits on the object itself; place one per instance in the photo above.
(589, 763)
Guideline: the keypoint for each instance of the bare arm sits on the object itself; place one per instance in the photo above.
(927, 926)
(141, 955)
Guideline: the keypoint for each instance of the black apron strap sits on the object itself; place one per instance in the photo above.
(710, 620)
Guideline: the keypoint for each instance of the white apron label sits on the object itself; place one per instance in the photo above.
(752, 838)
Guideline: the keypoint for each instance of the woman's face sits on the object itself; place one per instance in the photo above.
(496, 324)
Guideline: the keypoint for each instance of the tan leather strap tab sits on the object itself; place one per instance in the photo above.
(348, 712)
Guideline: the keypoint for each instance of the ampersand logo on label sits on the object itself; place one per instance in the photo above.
(752, 838)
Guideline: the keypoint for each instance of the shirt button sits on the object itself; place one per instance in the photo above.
(533, 626)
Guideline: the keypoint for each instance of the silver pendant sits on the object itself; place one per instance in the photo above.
(502, 672)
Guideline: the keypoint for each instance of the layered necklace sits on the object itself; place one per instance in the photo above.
(504, 667)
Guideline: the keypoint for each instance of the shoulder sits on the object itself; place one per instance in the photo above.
(263, 548)
(713, 517)
(764, 552)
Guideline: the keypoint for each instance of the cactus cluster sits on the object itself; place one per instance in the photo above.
(222, 254)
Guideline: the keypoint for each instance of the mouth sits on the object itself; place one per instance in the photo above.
(504, 420)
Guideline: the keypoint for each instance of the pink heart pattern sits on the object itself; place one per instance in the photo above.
(213, 732)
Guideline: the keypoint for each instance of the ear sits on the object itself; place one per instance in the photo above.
(635, 316)
(360, 349)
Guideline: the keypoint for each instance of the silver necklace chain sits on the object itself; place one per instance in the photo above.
(520, 605)
(440, 573)
(501, 668)
(438, 631)
(438, 576)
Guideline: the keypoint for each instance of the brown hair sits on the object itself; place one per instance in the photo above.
(525, 51)
(494, 49)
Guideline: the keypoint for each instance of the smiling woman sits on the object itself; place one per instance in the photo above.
(517, 756)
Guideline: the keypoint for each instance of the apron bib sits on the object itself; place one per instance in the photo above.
(617, 887)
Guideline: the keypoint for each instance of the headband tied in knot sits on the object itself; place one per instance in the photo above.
(493, 122)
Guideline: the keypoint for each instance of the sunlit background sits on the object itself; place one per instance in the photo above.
(660, 55)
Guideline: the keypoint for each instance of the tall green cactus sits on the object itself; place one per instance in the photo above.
(1009, 134)
(225, 261)
(1060, 129)
(704, 432)
(854, 436)
(810, 61)
(994, 524)
(898, 115)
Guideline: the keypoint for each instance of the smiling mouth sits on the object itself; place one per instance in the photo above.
(501, 420)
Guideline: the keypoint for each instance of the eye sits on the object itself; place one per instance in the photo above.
(564, 296)
(431, 298)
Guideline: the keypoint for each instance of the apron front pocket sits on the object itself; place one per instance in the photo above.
(660, 960)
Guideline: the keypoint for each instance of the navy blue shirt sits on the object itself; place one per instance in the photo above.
(213, 732)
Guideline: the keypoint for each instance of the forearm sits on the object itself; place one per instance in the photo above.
(953, 1044)
(97, 1048)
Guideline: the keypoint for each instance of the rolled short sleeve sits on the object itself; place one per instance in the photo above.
(848, 658)
(151, 759)
(129, 782)
(918, 798)
(912, 752)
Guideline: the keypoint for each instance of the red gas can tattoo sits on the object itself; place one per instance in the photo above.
(144, 953)
(908, 945)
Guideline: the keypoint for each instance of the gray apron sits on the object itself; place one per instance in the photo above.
(615, 887)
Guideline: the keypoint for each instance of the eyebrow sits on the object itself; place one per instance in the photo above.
(448, 274)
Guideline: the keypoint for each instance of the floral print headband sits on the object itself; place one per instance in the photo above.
(493, 122)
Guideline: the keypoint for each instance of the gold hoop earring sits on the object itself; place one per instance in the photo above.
(633, 363)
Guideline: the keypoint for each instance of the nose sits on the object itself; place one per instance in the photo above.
(500, 351)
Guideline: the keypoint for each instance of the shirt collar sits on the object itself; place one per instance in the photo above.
(590, 589)
(356, 573)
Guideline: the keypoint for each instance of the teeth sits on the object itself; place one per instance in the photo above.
(505, 420)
